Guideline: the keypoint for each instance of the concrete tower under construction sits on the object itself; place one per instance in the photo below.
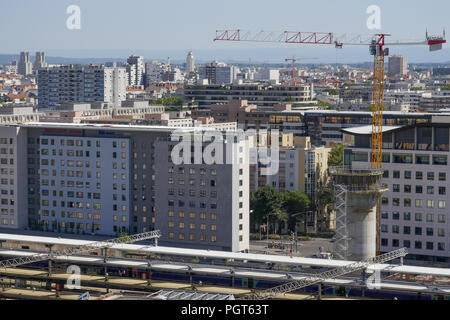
(356, 192)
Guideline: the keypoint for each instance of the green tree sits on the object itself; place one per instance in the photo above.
(295, 202)
(267, 202)
(332, 91)
(336, 157)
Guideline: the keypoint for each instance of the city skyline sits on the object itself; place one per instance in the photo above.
(109, 32)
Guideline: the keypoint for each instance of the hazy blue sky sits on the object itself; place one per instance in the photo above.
(179, 24)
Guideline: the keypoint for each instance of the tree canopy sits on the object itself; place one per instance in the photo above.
(295, 203)
(267, 201)
(336, 156)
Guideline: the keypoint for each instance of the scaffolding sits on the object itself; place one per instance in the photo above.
(341, 237)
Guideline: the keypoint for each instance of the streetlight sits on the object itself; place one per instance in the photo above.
(267, 227)
(304, 220)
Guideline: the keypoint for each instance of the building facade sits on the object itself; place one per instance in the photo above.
(24, 67)
(398, 65)
(112, 179)
(81, 84)
(414, 212)
(262, 95)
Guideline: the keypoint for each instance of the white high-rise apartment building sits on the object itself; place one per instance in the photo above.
(25, 67)
(139, 71)
(154, 72)
(81, 84)
(190, 64)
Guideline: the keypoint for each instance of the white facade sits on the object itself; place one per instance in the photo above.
(81, 84)
(190, 64)
(138, 61)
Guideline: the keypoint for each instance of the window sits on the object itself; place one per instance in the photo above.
(406, 230)
(396, 174)
(407, 175)
(407, 216)
(442, 191)
(418, 216)
(441, 204)
(430, 176)
(396, 202)
(430, 190)
(430, 217)
(419, 203)
(395, 216)
(430, 203)
(407, 188)
(419, 175)
(430, 232)
(396, 188)
(440, 160)
(429, 245)
(441, 218)
(418, 231)
(395, 229)
(418, 244)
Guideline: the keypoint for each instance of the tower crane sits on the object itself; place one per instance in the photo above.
(294, 60)
(92, 246)
(326, 275)
(377, 46)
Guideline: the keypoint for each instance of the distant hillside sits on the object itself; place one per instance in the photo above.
(8, 58)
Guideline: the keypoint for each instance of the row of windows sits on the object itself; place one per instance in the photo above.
(417, 244)
(419, 189)
(5, 151)
(202, 171)
(192, 215)
(213, 205)
(68, 142)
(5, 161)
(68, 163)
(71, 215)
(192, 237)
(192, 193)
(7, 222)
(181, 181)
(419, 203)
(192, 225)
(6, 171)
(73, 204)
(418, 231)
(419, 175)
(418, 216)
(4, 211)
(6, 140)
